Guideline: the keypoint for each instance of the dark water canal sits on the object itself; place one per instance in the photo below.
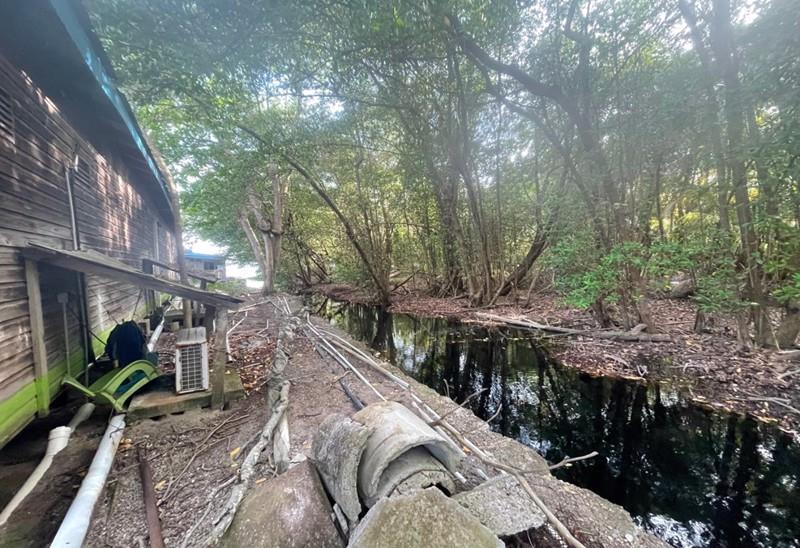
(692, 476)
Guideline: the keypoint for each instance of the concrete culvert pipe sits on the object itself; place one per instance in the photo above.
(56, 442)
(402, 449)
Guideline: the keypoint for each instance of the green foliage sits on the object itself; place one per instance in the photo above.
(585, 275)
(789, 292)
(230, 287)
(394, 117)
(718, 291)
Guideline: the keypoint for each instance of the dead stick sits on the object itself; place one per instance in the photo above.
(150, 508)
(487, 421)
(212, 500)
(454, 409)
(777, 401)
(201, 447)
(355, 352)
(248, 469)
(788, 374)
(357, 403)
(567, 461)
(551, 517)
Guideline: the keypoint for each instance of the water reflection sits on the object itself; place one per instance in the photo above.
(692, 476)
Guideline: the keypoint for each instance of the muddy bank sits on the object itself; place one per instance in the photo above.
(709, 366)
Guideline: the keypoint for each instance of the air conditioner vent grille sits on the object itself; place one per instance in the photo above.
(191, 361)
(192, 367)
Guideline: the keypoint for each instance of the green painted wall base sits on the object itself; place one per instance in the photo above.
(20, 409)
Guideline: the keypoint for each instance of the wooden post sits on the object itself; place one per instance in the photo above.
(37, 338)
(208, 320)
(220, 359)
(187, 313)
(197, 305)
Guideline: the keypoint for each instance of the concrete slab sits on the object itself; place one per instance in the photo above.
(502, 505)
(290, 511)
(336, 451)
(164, 401)
(422, 518)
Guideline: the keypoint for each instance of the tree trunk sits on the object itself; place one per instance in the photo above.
(789, 328)
(702, 323)
(712, 116)
(276, 233)
(269, 265)
(743, 330)
(600, 313)
(255, 246)
(722, 42)
(461, 153)
(381, 284)
(537, 247)
(645, 314)
(182, 273)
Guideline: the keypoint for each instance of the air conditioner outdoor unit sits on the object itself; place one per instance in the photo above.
(191, 360)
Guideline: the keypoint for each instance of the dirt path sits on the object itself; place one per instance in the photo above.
(708, 366)
(195, 455)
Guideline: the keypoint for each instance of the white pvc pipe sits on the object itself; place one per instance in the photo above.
(157, 331)
(228, 339)
(58, 440)
(73, 529)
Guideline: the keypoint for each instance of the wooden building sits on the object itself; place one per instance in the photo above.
(76, 172)
(206, 264)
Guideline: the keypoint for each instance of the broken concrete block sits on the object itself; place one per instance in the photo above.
(502, 505)
(414, 469)
(421, 518)
(290, 511)
(337, 450)
(396, 430)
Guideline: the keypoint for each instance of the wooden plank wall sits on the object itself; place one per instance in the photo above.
(36, 143)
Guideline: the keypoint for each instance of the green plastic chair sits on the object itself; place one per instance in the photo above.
(117, 386)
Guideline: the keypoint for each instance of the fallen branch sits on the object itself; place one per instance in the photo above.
(562, 530)
(212, 500)
(454, 409)
(336, 355)
(363, 356)
(788, 374)
(201, 447)
(357, 403)
(248, 468)
(404, 282)
(610, 335)
(787, 355)
(778, 401)
(567, 461)
(487, 421)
